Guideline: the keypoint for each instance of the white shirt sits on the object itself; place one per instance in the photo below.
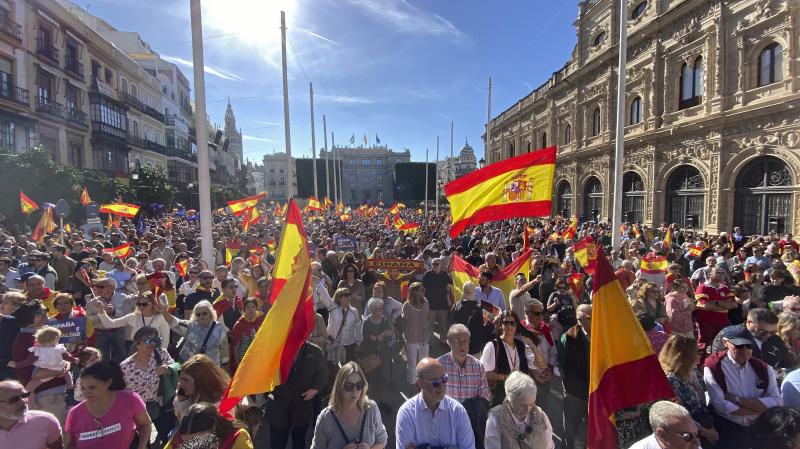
(351, 332)
(494, 297)
(488, 357)
(322, 300)
(647, 443)
(741, 381)
(188, 287)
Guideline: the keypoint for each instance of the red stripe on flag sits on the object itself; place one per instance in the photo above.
(502, 212)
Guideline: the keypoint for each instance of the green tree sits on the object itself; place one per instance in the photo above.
(220, 195)
(151, 186)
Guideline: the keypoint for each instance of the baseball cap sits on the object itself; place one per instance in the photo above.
(739, 335)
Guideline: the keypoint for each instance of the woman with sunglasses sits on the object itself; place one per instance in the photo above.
(507, 354)
(143, 372)
(351, 280)
(344, 328)
(351, 419)
(110, 416)
(202, 334)
(145, 315)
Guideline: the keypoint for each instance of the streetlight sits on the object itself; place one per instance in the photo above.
(482, 163)
(135, 176)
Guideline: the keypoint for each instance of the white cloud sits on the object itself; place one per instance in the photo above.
(320, 37)
(215, 71)
(258, 139)
(268, 123)
(343, 99)
(408, 19)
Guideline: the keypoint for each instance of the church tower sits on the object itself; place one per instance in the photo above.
(234, 136)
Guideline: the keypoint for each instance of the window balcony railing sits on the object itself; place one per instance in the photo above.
(14, 93)
(11, 29)
(169, 120)
(74, 67)
(156, 147)
(153, 112)
(47, 49)
(76, 116)
(130, 100)
(100, 129)
(50, 107)
(135, 141)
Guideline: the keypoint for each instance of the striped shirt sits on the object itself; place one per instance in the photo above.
(465, 382)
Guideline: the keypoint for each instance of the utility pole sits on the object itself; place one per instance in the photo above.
(451, 166)
(325, 133)
(335, 189)
(426, 189)
(286, 127)
(201, 133)
(619, 147)
(313, 138)
(436, 213)
(486, 148)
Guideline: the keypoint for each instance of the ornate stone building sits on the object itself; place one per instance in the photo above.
(712, 132)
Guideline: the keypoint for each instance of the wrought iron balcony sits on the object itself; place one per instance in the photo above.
(135, 141)
(169, 120)
(11, 29)
(74, 67)
(130, 100)
(153, 146)
(50, 107)
(14, 93)
(153, 112)
(47, 49)
(76, 116)
(104, 130)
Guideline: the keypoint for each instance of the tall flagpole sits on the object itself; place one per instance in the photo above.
(327, 181)
(486, 150)
(286, 129)
(436, 180)
(426, 189)
(619, 147)
(452, 160)
(313, 138)
(201, 127)
(341, 165)
(335, 187)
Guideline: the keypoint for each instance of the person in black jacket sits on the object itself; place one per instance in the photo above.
(469, 313)
(290, 406)
(575, 368)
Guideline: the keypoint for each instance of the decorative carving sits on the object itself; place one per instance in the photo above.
(764, 9)
(688, 32)
(713, 191)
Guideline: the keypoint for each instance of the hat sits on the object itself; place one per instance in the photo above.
(24, 276)
(739, 335)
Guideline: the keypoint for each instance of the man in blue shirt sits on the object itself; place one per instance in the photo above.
(486, 292)
(431, 418)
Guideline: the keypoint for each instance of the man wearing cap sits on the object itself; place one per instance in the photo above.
(740, 388)
(762, 326)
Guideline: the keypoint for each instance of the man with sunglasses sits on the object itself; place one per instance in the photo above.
(762, 326)
(431, 419)
(21, 428)
(740, 388)
(673, 428)
(203, 292)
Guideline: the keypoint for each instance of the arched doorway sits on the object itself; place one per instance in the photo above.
(764, 197)
(685, 197)
(592, 198)
(564, 199)
(632, 197)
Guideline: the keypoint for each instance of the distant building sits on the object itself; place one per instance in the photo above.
(457, 166)
(367, 173)
(255, 178)
(276, 177)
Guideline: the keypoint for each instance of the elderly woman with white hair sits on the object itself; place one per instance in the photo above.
(375, 350)
(202, 334)
(469, 313)
(518, 421)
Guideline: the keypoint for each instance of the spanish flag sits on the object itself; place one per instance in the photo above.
(398, 222)
(695, 251)
(326, 202)
(570, 232)
(45, 226)
(120, 251)
(268, 361)
(586, 254)
(667, 242)
(182, 267)
(412, 227)
(251, 217)
(345, 217)
(231, 249)
(314, 204)
(463, 271)
(527, 233)
(576, 285)
(271, 244)
(654, 264)
(517, 187)
(395, 209)
(85, 199)
(122, 209)
(616, 364)
(386, 222)
(239, 207)
(26, 204)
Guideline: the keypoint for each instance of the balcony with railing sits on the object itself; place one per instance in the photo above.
(11, 29)
(74, 68)
(182, 154)
(153, 112)
(76, 116)
(47, 49)
(47, 106)
(104, 130)
(135, 141)
(130, 100)
(154, 146)
(13, 93)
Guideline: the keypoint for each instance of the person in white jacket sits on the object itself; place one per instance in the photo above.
(144, 315)
(344, 329)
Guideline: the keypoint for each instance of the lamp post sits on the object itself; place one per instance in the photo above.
(482, 163)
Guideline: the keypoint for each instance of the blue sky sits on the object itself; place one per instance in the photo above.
(401, 69)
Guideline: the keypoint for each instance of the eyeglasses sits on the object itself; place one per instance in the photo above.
(201, 314)
(509, 323)
(436, 382)
(349, 386)
(14, 399)
(535, 313)
(142, 304)
(685, 436)
(152, 340)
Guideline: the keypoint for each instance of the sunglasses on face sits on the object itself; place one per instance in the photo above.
(436, 382)
(685, 436)
(349, 386)
(142, 304)
(14, 399)
(152, 340)
(201, 314)
(509, 323)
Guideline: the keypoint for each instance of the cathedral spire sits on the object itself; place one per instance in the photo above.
(230, 119)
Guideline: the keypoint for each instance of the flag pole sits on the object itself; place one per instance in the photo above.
(426, 190)
(313, 139)
(201, 126)
(452, 160)
(486, 147)
(436, 180)
(619, 147)
(341, 192)
(286, 126)
(327, 180)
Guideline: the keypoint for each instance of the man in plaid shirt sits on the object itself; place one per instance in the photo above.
(466, 380)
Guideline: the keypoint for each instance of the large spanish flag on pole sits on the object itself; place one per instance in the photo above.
(26, 204)
(463, 271)
(121, 209)
(623, 372)
(269, 359)
(517, 187)
(239, 207)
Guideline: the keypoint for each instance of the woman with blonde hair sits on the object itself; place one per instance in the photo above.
(415, 329)
(344, 328)
(202, 334)
(351, 418)
(650, 301)
(789, 331)
(679, 359)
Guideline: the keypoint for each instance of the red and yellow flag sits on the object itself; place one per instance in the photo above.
(576, 285)
(232, 248)
(85, 199)
(326, 202)
(271, 244)
(122, 209)
(398, 222)
(695, 251)
(617, 363)
(314, 204)
(251, 217)
(120, 251)
(463, 271)
(667, 242)
(571, 230)
(26, 204)
(586, 255)
(518, 187)
(239, 207)
(654, 264)
(182, 266)
(268, 361)
(45, 226)
(109, 222)
(395, 209)
(345, 217)
(386, 222)
(411, 227)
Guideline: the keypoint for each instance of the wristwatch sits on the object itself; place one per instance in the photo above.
(736, 400)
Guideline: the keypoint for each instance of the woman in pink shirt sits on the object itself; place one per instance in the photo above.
(110, 417)
(679, 308)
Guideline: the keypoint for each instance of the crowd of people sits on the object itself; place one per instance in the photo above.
(128, 339)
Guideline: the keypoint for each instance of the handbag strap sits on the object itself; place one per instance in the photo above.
(360, 431)
(344, 320)
(208, 335)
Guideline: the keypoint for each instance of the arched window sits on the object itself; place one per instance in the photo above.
(528, 145)
(544, 140)
(636, 111)
(596, 122)
(567, 134)
(601, 36)
(685, 197)
(511, 150)
(638, 10)
(134, 92)
(592, 198)
(770, 65)
(564, 200)
(691, 83)
(764, 197)
(632, 197)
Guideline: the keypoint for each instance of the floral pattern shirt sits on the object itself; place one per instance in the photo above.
(144, 382)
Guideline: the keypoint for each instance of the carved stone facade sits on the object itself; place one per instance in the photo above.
(712, 95)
